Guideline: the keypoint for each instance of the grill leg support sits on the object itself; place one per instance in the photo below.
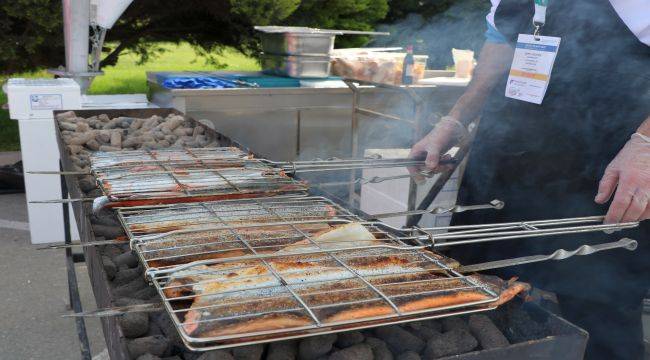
(73, 286)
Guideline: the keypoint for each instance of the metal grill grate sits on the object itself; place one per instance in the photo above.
(254, 268)
(186, 173)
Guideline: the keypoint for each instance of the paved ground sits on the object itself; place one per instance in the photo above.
(35, 293)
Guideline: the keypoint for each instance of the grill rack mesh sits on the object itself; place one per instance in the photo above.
(190, 246)
(186, 173)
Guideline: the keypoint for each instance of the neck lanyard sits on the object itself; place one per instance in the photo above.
(539, 19)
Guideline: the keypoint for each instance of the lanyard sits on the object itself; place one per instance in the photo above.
(539, 19)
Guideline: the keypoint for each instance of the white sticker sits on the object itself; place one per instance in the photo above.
(46, 101)
(531, 67)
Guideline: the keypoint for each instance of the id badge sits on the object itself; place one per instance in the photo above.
(531, 67)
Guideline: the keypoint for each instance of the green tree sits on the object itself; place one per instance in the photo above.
(31, 33)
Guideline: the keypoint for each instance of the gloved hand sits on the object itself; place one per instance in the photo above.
(437, 142)
(630, 171)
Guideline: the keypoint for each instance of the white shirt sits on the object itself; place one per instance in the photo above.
(634, 13)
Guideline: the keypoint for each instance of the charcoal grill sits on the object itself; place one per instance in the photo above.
(412, 242)
(201, 245)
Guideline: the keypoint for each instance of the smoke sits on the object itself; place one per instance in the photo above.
(462, 26)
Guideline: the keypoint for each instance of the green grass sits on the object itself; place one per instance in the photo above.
(127, 77)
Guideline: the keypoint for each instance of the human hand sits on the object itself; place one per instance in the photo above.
(629, 175)
(431, 148)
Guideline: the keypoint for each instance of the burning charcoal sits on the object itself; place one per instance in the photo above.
(379, 348)
(109, 267)
(148, 356)
(134, 324)
(116, 139)
(312, 348)
(130, 288)
(250, 352)
(108, 232)
(423, 332)
(454, 342)
(216, 355)
(409, 355)
(155, 345)
(355, 352)
(74, 149)
(82, 126)
(487, 334)
(67, 126)
(125, 276)
(93, 145)
(108, 148)
(136, 124)
(454, 322)
(128, 258)
(183, 132)
(81, 138)
(399, 340)
(282, 350)
(349, 338)
(65, 115)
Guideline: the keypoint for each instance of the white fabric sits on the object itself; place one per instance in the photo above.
(634, 13)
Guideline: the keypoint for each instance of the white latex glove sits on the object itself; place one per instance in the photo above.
(437, 142)
(629, 174)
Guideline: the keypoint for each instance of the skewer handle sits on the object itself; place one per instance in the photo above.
(78, 244)
(559, 254)
(494, 204)
(60, 201)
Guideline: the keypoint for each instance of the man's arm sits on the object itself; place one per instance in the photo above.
(629, 175)
(493, 62)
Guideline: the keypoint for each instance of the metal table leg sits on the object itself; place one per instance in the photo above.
(73, 286)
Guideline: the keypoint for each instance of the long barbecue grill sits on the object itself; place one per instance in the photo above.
(249, 222)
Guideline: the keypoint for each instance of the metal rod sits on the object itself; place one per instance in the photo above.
(61, 201)
(117, 310)
(59, 172)
(73, 289)
(494, 204)
(81, 244)
(559, 254)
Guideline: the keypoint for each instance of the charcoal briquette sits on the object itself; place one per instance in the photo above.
(134, 324)
(487, 334)
(148, 356)
(130, 288)
(146, 293)
(250, 352)
(109, 267)
(354, 352)
(216, 355)
(409, 355)
(155, 345)
(454, 342)
(128, 258)
(349, 338)
(379, 348)
(108, 232)
(399, 340)
(423, 332)
(312, 348)
(452, 323)
(124, 276)
(282, 350)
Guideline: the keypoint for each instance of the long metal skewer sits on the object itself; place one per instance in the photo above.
(494, 204)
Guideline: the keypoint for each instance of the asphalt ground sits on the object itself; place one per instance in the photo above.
(34, 294)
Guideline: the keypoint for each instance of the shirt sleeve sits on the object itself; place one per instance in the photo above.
(492, 35)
